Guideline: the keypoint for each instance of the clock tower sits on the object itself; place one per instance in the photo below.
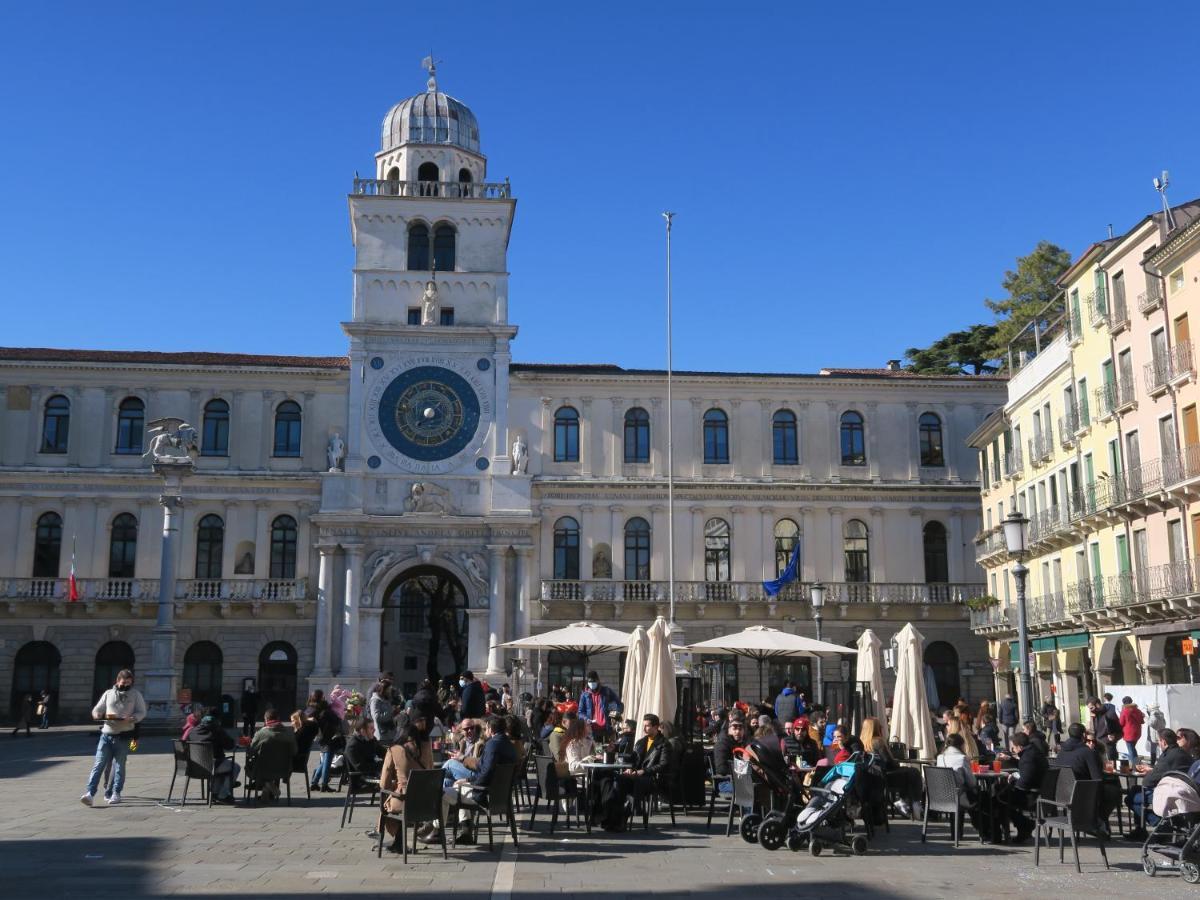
(426, 501)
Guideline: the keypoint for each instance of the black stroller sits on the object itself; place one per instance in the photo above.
(1174, 843)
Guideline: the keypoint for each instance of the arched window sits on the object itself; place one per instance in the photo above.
(56, 424)
(47, 545)
(716, 550)
(393, 173)
(429, 177)
(936, 565)
(930, 427)
(566, 435)
(787, 536)
(131, 421)
(857, 551)
(566, 549)
(202, 672)
(283, 547)
(35, 669)
(215, 440)
(637, 436)
(122, 546)
(287, 428)
(110, 659)
(853, 448)
(464, 182)
(942, 659)
(277, 675)
(716, 437)
(444, 238)
(210, 547)
(637, 550)
(418, 247)
(783, 432)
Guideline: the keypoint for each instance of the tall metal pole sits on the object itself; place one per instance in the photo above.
(820, 691)
(670, 445)
(1019, 573)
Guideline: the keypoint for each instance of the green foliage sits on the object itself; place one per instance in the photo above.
(966, 352)
(1030, 287)
(982, 602)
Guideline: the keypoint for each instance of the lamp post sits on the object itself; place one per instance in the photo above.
(1014, 539)
(817, 595)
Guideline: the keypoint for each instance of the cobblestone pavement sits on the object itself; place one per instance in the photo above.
(51, 846)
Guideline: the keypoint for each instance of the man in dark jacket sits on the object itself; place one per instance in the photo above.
(732, 738)
(595, 704)
(470, 702)
(785, 703)
(250, 700)
(497, 751)
(425, 703)
(1172, 758)
(271, 754)
(1077, 756)
(364, 754)
(225, 772)
(1007, 717)
(1037, 738)
(1031, 767)
(652, 760)
(1105, 725)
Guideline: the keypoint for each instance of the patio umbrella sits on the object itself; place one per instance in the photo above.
(658, 694)
(635, 670)
(911, 724)
(870, 671)
(584, 638)
(760, 643)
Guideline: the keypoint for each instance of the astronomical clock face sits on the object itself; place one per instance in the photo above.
(425, 416)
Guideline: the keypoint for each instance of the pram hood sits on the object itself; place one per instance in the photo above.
(1175, 794)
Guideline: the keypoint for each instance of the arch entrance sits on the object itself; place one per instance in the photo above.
(424, 629)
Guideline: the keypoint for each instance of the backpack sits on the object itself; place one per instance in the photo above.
(610, 806)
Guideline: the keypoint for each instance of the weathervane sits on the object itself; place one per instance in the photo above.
(430, 65)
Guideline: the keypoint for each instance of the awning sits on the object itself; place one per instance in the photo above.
(1049, 645)
(1167, 628)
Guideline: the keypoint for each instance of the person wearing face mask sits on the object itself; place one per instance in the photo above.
(595, 704)
(120, 708)
(471, 704)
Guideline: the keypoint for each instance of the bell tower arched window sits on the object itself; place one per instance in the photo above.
(444, 239)
(428, 177)
(464, 182)
(418, 247)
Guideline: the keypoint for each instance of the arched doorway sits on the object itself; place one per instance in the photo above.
(110, 659)
(202, 672)
(1124, 664)
(942, 659)
(34, 670)
(424, 632)
(277, 677)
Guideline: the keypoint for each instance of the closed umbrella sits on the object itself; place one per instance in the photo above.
(635, 670)
(760, 643)
(911, 724)
(869, 671)
(658, 694)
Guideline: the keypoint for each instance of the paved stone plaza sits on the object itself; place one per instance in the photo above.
(54, 847)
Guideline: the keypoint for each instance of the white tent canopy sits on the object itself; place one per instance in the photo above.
(870, 672)
(585, 638)
(760, 643)
(658, 694)
(911, 724)
(635, 670)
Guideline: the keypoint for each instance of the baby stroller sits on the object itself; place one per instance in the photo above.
(1174, 843)
(766, 762)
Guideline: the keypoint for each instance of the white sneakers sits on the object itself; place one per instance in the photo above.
(86, 799)
(114, 799)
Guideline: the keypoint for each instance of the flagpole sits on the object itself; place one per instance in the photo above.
(670, 445)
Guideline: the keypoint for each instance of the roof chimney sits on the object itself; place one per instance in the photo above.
(893, 365)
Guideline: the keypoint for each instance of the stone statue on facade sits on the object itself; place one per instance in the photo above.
(425, 497)
(335, 453)
(475, 567)
(431, 308)
(383, 561)
(520, 455)
(172, 441)
(601, 564)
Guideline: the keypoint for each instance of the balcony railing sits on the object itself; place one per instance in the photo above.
(1106, 401)
(1013, 463)
(1078, 597)
(1145, 478)
(989, 543)
(1047, 523)
(1151, 298)
(607, 590)
(1041, 446)
(463, 190)
(1068, 424)
(994, 616)
(1074, 327)
(1119, 315)
(1047, 609)
(1170, 366)
(146, 589)
(1097, 308)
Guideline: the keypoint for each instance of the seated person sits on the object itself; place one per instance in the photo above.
(733, 738)
(578, 746)
(810, 750)
(363, 752)
(953, 756)
(273, 749)
(409, 753)
(626, 739)
(464, 759)
(225, 771)
(1026, 781)
(1172, 758)
(192, 720)
(306, 732)
(1075, 755)
(558, 734)
(847, 746)
(652, 761)
(497, 751)
(989, 733)
(789, 743)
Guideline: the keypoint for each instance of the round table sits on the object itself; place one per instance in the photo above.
(589, 768)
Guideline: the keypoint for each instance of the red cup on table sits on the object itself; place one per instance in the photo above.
(243, 741)
(997, 766)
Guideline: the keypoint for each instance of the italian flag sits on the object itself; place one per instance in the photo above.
(72, 585)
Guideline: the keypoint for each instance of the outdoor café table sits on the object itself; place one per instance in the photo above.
(991, 788)
(1130, 779)
(589, 770)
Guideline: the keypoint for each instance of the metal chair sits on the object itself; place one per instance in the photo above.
(941, 797)
(747, 794)
(1059, 798)
(1080, 819)
(358, 783)
(422, 804)
(268, 764)
(300, 767)
(201, 764)
(496, 800)
(715, 782)
(549, 790)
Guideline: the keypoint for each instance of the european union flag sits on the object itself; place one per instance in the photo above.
(788, 575)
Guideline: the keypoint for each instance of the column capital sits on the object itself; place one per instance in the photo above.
(836, 510)
(695, 509)
(697, 402)
(767, 510)
(616, 509)
(877, 510)
(546, 402)
(586, 507)
(353, 548)
(268, 396)
(495, 550)
(657, 508)
(916, 511)
(326, 549)
(585, 402)
(523, 551)
(737, 510)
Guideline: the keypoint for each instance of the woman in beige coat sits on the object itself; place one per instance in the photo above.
(408, 754)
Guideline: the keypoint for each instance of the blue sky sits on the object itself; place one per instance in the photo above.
(849, 180)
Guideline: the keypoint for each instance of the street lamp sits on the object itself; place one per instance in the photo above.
(817, 594)
(1014, 539)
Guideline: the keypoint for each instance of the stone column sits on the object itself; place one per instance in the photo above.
(312, 440)
(916, 540)
(322, 667)
(659, 548)
(477, 639)
(740, 545)
(835, 437)
(697, 547)
(101, 541)
(350, 599)
(369, 643)
(162, 675)
(266, 421)
(737, 446)
(767, 541)
(262, 539)
(585, 437)
(950, 448)
(587, 542)
(914, 442)
(873, 429)
(25, 538)
(804, 444)
(497, 611)
(500, 452)
(546, 456)
(837, 557)
(107, 424)
(71, 522)
(617, 541)
(808, 548)
(697, 436)
(877, 545)
(616, 444)
(955, 551)
(37, 419)
(525, 590)
(354, 411)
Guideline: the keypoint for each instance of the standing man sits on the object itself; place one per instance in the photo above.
(1105, 726)
(471, 704)
(595, 703)
(785, 703)
(120, 708)
(250, 699)
(1007, 717)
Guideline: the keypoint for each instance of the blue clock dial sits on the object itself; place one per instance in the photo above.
(429, 413)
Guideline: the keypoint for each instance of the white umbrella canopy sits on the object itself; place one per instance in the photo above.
(635, 669)
(658, 694)
(760, 642)
(584, 638)
(870, 671)
(911, 724)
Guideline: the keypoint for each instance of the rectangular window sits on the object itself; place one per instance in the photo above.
(1124, 567)
(1176, 280)
(1141, 559)
(447, 316)
(1085, 416)
(1118, 285)
(414, 315)
(1166, 437)
(1175, 545)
